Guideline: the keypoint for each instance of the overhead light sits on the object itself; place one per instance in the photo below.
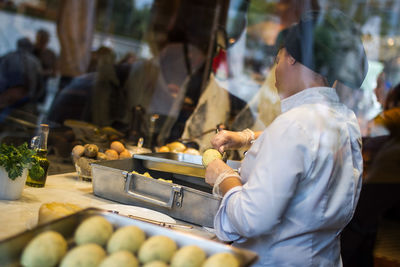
(390, 42)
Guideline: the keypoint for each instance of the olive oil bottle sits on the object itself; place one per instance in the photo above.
(37, 178)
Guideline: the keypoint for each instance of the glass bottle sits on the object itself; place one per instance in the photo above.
(39, 144)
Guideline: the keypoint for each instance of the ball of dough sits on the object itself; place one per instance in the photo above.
(45, 250)
(188, 256)
(95, 229)
(120, 259)
(117, 146)
(209, 155)
(128, 238)
(88, 255)
(157, 247)
(223, 259)
(156, 264)
(111, 154)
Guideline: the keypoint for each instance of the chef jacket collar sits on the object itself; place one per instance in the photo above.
(312, 95)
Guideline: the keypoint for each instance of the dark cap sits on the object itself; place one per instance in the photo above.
(329, 44)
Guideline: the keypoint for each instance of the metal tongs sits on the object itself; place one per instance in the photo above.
(164, 224)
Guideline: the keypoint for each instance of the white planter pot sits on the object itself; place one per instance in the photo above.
(11, 189)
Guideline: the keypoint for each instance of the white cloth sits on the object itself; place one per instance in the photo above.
(301, 181)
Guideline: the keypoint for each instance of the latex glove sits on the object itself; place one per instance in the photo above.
(225, 140)
(216, 172)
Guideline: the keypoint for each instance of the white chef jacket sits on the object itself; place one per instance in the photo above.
(301, 181)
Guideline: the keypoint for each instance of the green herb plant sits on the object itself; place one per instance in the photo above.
(16, 159)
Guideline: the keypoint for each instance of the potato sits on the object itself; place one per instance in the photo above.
(78, 151)
(91, 150)
(157, 247)
(156, 264)
(45, 250)
(120, 259)
(223, 259)
(191, 151)
(125, 154)
(188, 256)
(87, 255)
(163, 149)
(209, 155)
(128, 238)
(111, 154)
(176, 147)
(95, 229)
(117, 146)
(101, 156)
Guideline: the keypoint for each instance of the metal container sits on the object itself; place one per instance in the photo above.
(11, 248)
(179, 163)
(187, 198)
(186, 168)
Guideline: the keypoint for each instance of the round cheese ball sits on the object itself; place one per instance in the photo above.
(120, 259)
(88, 255)
(95, 229)
(156, 264)
(157, 247)
(128, 238)
(209, 155)
(188, 256)
(45, 250)
(223, 259)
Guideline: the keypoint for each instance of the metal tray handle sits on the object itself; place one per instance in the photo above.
(175, 189)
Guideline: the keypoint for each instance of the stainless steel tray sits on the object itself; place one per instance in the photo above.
(178, 163)
(181, 199)
(11, 248)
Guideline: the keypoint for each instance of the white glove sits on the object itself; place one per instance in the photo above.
(247, 136)
(221, 177)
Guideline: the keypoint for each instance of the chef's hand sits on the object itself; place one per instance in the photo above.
(221, 177)
(225, 140)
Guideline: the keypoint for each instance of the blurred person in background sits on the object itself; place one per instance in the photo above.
(47, 59)
(21, 76)
(94, 97)
(380, 196)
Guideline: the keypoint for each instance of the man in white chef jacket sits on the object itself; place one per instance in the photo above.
(299, 182)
